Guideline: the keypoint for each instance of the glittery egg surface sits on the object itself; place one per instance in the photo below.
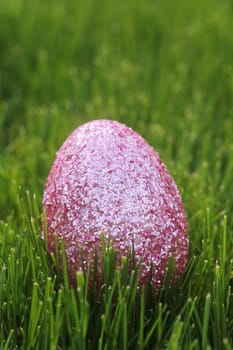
(106, 178)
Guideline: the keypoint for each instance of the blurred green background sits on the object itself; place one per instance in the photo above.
(164, 68)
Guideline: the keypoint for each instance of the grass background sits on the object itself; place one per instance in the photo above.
(165, 69)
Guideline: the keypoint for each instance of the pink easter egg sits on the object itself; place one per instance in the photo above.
(106, 178)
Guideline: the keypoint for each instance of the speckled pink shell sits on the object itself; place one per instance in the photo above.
(106, 178)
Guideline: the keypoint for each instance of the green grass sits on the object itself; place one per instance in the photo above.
(164, 68)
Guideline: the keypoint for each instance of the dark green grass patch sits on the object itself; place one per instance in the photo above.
(39, 309)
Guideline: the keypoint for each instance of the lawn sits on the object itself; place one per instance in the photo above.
(165, 69)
